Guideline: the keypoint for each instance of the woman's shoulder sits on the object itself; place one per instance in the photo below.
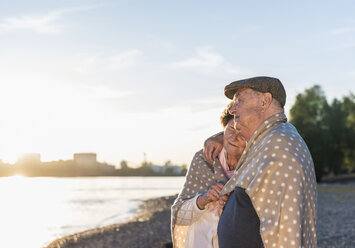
(199, 161)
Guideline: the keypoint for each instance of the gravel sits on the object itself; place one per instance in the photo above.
(150, 227)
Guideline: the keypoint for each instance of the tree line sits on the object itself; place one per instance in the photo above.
(69, 168)
(328, 129)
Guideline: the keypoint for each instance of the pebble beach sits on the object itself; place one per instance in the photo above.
(150, 227)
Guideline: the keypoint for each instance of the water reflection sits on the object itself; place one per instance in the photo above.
(34, 211)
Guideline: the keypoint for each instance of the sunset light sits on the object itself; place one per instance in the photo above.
(113, 113)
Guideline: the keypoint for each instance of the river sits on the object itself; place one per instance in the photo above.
(35, 211)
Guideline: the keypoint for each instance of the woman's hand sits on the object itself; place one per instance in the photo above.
(211, 195)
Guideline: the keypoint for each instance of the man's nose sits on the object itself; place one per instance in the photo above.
(232, 109)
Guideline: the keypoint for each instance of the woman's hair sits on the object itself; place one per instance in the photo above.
(226, 116)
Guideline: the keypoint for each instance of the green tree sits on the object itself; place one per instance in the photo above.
(168, 162)
(348, 106)
(308, 115)
(124, 164)
(335, 136)
(329, 130)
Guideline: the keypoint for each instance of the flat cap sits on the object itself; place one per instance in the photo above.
(261, 84)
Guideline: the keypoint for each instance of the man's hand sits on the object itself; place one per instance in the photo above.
(213, 146)
(223, 199)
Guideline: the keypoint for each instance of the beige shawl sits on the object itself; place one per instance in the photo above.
(199, 178)
(277, 172)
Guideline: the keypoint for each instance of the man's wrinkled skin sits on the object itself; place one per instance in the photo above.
(250, 108)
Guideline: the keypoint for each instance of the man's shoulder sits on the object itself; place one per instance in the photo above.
(283, 132)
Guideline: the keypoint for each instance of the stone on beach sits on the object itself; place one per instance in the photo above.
(150, 227)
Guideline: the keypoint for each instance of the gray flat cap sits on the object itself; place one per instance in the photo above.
(261, 84)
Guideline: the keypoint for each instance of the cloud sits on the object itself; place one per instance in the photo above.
(344, 45)
(103, 63)
(204, 58)
(40, 24)
(103, 92)
(343, 30)
(125, 59)
(208, 61)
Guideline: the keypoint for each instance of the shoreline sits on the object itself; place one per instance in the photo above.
(149, 227)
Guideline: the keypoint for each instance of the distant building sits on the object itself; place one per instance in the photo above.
(86, 159)
(175, 169)
(29, 158)
(107, 167)
(158, 168)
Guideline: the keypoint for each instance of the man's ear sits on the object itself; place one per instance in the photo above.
(266, 100)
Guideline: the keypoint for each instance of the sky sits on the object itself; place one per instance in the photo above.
(124, 78)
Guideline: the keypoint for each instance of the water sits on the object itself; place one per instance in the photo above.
(35, 211)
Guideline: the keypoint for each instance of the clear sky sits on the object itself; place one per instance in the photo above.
(121, 78)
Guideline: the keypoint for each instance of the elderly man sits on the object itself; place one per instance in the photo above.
(273, 199)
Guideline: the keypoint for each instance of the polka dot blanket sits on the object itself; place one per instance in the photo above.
(277, 172)
(199, 178)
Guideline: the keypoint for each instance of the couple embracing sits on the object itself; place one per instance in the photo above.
(254, 185)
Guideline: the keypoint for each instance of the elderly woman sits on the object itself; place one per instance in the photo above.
(195, 212)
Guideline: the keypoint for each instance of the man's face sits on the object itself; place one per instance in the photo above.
(247, 111)
(233, 142)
